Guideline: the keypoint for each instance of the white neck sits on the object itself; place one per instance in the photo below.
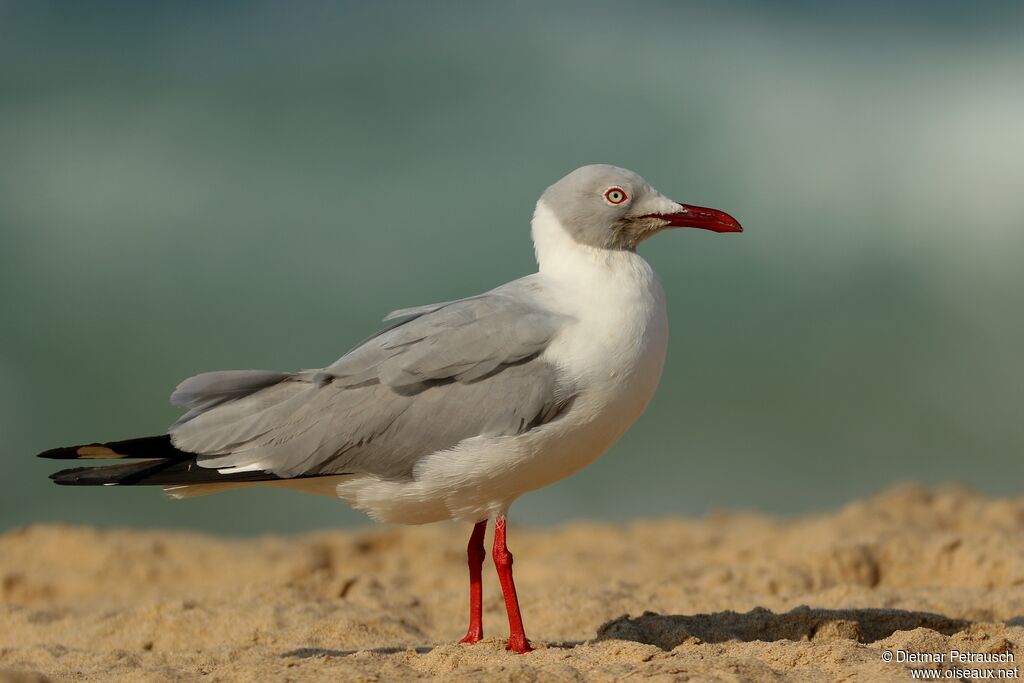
(560, 256)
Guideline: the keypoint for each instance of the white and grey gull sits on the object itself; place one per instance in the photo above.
(460, 407)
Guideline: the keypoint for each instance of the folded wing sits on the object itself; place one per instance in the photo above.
(453, 371)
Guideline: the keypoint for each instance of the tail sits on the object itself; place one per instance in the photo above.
(161, 465)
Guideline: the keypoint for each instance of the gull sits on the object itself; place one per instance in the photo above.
(458, 408)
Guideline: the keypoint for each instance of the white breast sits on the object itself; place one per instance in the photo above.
(616, 348)
(613, 352)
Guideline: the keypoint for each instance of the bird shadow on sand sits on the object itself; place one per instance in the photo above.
(759, 624)
(802, 623)
(310, 652)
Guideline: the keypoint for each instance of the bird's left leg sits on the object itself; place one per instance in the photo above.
(503, 563)
(475, 554)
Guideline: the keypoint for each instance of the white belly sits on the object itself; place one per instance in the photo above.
(614, 352)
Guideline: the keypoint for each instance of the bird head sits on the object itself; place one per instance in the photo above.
(609, 207)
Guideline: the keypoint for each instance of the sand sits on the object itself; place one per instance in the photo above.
(730, 597)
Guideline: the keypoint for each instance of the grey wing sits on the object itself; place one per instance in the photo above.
(454, 371)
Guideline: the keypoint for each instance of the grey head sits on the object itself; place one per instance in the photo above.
(608, 207)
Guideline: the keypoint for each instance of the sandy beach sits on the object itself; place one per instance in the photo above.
(729, 597)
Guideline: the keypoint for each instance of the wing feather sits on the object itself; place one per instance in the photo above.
(453, 371)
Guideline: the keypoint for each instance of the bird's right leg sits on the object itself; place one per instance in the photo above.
(475, 553)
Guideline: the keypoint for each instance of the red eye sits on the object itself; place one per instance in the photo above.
(615, 195)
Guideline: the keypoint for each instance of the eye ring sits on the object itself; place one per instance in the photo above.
(615, 195)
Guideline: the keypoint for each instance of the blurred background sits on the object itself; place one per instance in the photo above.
(196, 186)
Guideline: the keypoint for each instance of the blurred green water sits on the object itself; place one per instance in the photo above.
(199, 186)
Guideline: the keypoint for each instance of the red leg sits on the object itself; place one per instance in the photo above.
(475, 553)
(503, 563)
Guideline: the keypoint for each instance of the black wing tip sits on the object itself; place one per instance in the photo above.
(159, 472)
(87, 451)
(128, 473)
(62, 453)
(152, 460)
(75, 476)
(158, 446)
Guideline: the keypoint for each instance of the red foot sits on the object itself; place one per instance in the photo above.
(472, 637)
(519, 646)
